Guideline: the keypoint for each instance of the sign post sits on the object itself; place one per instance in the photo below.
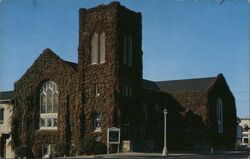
(113, 137)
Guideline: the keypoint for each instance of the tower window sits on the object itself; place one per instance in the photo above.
(219, 115)
(127, 50)
(97, 48)
(127, 90)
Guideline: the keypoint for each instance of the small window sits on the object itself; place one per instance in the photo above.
(97, 90)
(1, 115)
(127, 90)
(97, 122)
(156, 108)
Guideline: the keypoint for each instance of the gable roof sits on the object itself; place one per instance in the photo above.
(71, 64)
(184, 85)
(6, 95)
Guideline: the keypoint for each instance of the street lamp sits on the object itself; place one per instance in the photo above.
(165, 150)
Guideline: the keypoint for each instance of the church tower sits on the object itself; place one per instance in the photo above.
(109, 70)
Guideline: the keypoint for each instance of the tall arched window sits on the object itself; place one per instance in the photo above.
(219, 114)
(97, 50)
(48, 105)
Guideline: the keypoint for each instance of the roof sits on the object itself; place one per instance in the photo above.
(6, 95)
(71, 64)
(184, 85)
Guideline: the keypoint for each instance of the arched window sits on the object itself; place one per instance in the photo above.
(97, 50)
(219, 114)
(48, 105)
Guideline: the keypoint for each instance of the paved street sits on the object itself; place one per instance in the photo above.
(220, 155)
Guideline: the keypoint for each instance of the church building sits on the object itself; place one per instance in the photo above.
(60, 101)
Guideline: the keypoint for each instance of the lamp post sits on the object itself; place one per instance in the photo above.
(165, 150)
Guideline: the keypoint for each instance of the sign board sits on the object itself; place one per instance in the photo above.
(113, 137)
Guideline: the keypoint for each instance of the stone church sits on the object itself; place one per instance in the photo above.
(57, 100)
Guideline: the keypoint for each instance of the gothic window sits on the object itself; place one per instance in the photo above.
(219, 114)
(97, 122)
(127, 51)
(97, 48)
(48, 106)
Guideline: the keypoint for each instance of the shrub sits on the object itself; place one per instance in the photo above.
(61, 149)
(86, 145)
(21, 151)
(37, 151)
(100, 148)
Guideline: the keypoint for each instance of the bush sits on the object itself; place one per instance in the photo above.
(100, 148)
(21, 151)
(61, 149)
(86, 145)
(37, 151)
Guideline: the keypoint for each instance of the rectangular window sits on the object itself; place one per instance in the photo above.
(94, 49)
(127, 50)
(124, 57)
(97, 48)
(102, 48)
(127, 90)
(97, 90)
(97, 122)
(1, 115)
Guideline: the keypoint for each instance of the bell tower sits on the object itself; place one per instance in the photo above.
(109, 68)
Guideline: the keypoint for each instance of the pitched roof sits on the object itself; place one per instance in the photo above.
(71, 64)
(6, 95)
(185, 85)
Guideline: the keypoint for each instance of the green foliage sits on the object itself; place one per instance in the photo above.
(37, 151)
(61, 149)
(100, 148)
(21, 151)
(86, 145)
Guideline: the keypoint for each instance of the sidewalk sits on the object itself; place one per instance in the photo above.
(179, 155)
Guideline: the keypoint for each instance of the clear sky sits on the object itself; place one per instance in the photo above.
(181, 38)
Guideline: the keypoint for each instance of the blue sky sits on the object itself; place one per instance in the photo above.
(181, 38)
